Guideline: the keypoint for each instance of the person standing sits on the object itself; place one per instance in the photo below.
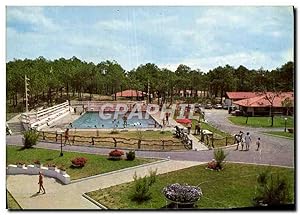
(258, 144)
(41, 183)
(167, 118)
(67, 136)
(199, 127)
(238, 139)
(247, 141)
(189, 127)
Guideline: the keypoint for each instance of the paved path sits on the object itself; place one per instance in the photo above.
(280, 157)
(70, 196)
(275, 145)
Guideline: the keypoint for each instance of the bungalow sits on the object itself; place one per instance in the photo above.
(259, 105)
(231, 97)
(130, 94)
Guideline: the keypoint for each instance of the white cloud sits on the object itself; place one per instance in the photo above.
(113, 24)
(31, 15)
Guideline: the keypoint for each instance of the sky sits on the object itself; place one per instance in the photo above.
(201, 37)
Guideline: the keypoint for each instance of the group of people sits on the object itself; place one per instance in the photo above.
(241, 139)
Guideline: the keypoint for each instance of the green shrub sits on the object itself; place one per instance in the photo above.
(30, 138)
(141, 191)
(130, 155)
(272, 190)
(152, 176)
(219, 156)
(114, 131)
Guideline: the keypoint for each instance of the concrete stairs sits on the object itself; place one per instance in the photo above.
(16, 127)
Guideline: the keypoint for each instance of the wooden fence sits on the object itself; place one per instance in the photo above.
(114, 142)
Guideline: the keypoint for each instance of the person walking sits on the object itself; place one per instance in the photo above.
(189, 127)
(67, 136)
(41, 183)
(258, 144)
(247, 141)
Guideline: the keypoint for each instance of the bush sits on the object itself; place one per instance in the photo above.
(141, 191)
(114, 131)
(37, 162)
(79, 162)
(219, 156)
(30, 138)
(130, 155)
(272, 190)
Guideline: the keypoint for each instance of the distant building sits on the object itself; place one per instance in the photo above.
(131, 94)
(258, 105)
(236, 96)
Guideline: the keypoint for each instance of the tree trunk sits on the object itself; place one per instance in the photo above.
(67, 90)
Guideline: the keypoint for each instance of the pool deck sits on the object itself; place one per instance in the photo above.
(64, 122)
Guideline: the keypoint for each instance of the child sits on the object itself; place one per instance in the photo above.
(258, 144)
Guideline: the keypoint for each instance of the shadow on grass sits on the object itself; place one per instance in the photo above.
(179, 206)
(25, 148)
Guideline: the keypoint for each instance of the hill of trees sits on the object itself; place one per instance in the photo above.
(65, 78)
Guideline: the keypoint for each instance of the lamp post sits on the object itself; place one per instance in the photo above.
(59, 132)
(285, 119)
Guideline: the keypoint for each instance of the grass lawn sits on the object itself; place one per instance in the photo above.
(96, 164)
(219, 135)
(281, 133)
(11, 202)
(263, 121)
(233, 187)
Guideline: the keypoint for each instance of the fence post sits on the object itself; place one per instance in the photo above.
(56, 136)
(115, 142)
(226, 140)
(139, 144)
(73, 139)
(212, 140)
(43, 135)
(93, 143)
(163, 144)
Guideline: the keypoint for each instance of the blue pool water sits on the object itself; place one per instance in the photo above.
(93, 120)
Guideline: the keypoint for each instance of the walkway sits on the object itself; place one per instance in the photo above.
(70, 196)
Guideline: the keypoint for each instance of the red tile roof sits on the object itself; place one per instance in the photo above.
(240, 95)
(261, 101)
(130, 93)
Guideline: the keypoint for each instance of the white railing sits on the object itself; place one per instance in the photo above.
(44, 117)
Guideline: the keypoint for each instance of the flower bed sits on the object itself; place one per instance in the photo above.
(182, 194)
(79, 162)
(116, 154)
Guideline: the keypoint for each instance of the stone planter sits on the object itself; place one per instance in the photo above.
(52, 167)
(63, 172)
(38, 165)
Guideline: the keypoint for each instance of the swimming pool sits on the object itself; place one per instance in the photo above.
(93, 120)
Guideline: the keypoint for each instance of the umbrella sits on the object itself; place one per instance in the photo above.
(184, 121)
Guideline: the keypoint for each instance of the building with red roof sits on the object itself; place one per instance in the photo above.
(260, 105)
(131, 94)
